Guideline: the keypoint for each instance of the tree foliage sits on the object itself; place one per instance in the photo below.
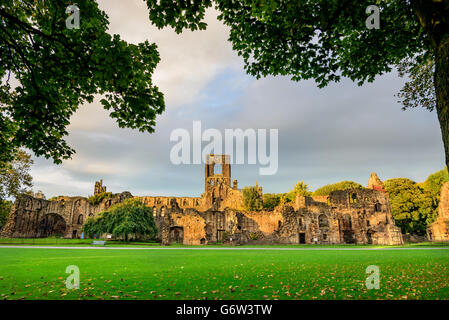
(300, 189)
(130, 218)
(58, 69)
(307, 39)
(435, 181)
(419, 90)
(5, 208)
(14, 175)
(96, 199)
(270, 200)
(342, 185)
(433, 185)
(325, 40)
(411, 205)
(252, 200)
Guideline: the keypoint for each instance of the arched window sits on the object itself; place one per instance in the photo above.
(323, 222)
(80, 219)
(377, 207)
(347, 223)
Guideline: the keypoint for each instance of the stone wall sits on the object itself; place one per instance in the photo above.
(33, 218)
(352, 216)
(218, 216)
(439, 230)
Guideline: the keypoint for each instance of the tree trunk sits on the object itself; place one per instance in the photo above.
(442, 91)
(433, 16)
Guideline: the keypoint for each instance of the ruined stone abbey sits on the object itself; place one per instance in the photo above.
(352, 216)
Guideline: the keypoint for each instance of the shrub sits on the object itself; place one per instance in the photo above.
(96, 199)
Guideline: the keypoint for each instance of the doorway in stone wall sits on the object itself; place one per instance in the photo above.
(369, 238)
(220, 235)
(348, 236)
(302, 238)
(177, 234)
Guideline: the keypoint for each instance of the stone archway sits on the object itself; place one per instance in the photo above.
(323, 221)
(51, 224)
(177, 234)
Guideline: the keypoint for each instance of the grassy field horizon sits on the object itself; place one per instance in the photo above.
(52, 241)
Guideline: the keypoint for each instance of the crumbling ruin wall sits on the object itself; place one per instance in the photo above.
(183, 202)
(218, 216)
(439, 229)
(33, 218)
(267, 221)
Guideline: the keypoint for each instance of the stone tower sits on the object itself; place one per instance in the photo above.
(99, 188)
(375, 183)
(212, 179)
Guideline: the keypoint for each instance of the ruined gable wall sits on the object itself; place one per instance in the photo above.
(439, 230)
(32, 217)
(370, 215)
(234, 200)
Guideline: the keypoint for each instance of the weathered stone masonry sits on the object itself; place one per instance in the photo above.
(351, 216)
(439, 230)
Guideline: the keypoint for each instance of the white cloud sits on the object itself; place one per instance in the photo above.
(337, 133)
(188, 60)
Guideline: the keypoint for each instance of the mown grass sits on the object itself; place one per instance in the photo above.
(117, 243)
(216, 274)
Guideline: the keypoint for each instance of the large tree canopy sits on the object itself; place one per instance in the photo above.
(130, 218)
(58, 68)
(411, 206)
(325, 40)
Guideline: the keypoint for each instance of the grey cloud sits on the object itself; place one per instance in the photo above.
(341, 132)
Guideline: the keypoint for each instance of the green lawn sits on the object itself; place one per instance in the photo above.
(53, 241)
(217, 274)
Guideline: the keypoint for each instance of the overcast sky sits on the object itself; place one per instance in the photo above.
(341, 132)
